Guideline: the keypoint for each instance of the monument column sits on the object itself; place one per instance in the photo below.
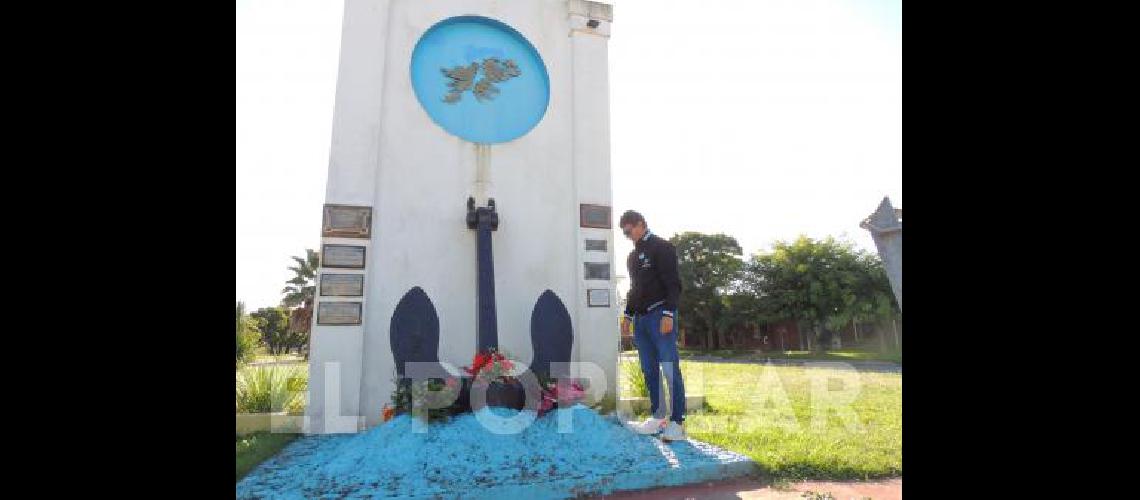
(590, 33)
(337, 333)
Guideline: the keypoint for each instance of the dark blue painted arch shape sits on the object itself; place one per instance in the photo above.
(414, 331)
(551, 333)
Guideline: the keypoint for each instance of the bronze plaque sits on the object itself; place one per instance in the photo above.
(347, 221)
(598, 297)
(342, 285)
(342, 256)
(594, 216)
(595, 245)
(339, 313)
(597, 270)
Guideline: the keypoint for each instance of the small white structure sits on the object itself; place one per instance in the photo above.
(885, 226)
(400, 173)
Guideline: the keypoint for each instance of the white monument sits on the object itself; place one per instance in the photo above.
(441, 101)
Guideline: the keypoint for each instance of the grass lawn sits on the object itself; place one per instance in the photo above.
(787, 446)
(257, 447)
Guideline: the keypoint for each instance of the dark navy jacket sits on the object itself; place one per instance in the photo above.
(654, 279)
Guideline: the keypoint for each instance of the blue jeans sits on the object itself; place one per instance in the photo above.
(659, 351)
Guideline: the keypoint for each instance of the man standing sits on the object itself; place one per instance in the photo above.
(650, 311)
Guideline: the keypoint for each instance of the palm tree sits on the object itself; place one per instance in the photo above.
(302, 286)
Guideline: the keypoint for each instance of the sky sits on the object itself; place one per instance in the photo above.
(761, 119)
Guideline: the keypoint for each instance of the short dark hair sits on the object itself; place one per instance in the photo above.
(631, 217)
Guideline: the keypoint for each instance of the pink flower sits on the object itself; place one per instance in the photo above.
(571, 393)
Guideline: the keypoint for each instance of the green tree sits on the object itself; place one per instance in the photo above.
(876, 301)
(749, 304)
(273, 322)
(303, 284)
(708, 265)
(814, 282)
(247, 335)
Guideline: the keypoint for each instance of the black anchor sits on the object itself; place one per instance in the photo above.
(414, 331)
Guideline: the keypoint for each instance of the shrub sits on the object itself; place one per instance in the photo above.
(247, 336)
(246, 343)
(634, 379)
(265, 389)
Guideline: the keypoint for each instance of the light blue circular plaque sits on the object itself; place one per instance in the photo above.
(480, 79)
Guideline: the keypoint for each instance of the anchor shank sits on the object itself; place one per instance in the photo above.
(485, 220)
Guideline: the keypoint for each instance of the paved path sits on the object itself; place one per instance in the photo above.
(866, 366)
(887, 489)
(298, 362)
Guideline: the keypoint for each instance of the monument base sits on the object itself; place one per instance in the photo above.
(462, 458)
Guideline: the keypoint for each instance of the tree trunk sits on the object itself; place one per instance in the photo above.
(817, 336)
(855, 325)
(714, 339)
(708, 337)
(894, 328)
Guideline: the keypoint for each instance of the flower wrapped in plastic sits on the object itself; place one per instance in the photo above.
(563, 392)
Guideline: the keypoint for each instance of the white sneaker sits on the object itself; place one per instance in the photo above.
(673, 432)
(650, 426)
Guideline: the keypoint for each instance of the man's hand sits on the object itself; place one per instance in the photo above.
(626, 326)
(666, 325)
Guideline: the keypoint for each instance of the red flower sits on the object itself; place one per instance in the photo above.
(481, 361)
(546, 405)
(488, 360)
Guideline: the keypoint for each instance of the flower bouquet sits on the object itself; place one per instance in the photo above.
(438, 395)
(491, 371)
(565, 392)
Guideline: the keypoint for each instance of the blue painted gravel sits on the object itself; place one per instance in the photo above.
(462, 458)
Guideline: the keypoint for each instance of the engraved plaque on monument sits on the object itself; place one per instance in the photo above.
(347, 221)
(597, 270)
(342, 285)
(595, 245)
(339, 313)
(598, 297)
(342, 256)
(594, 216)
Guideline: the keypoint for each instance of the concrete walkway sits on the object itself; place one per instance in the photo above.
(281, 362)
(866, 366)
(886, 489)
